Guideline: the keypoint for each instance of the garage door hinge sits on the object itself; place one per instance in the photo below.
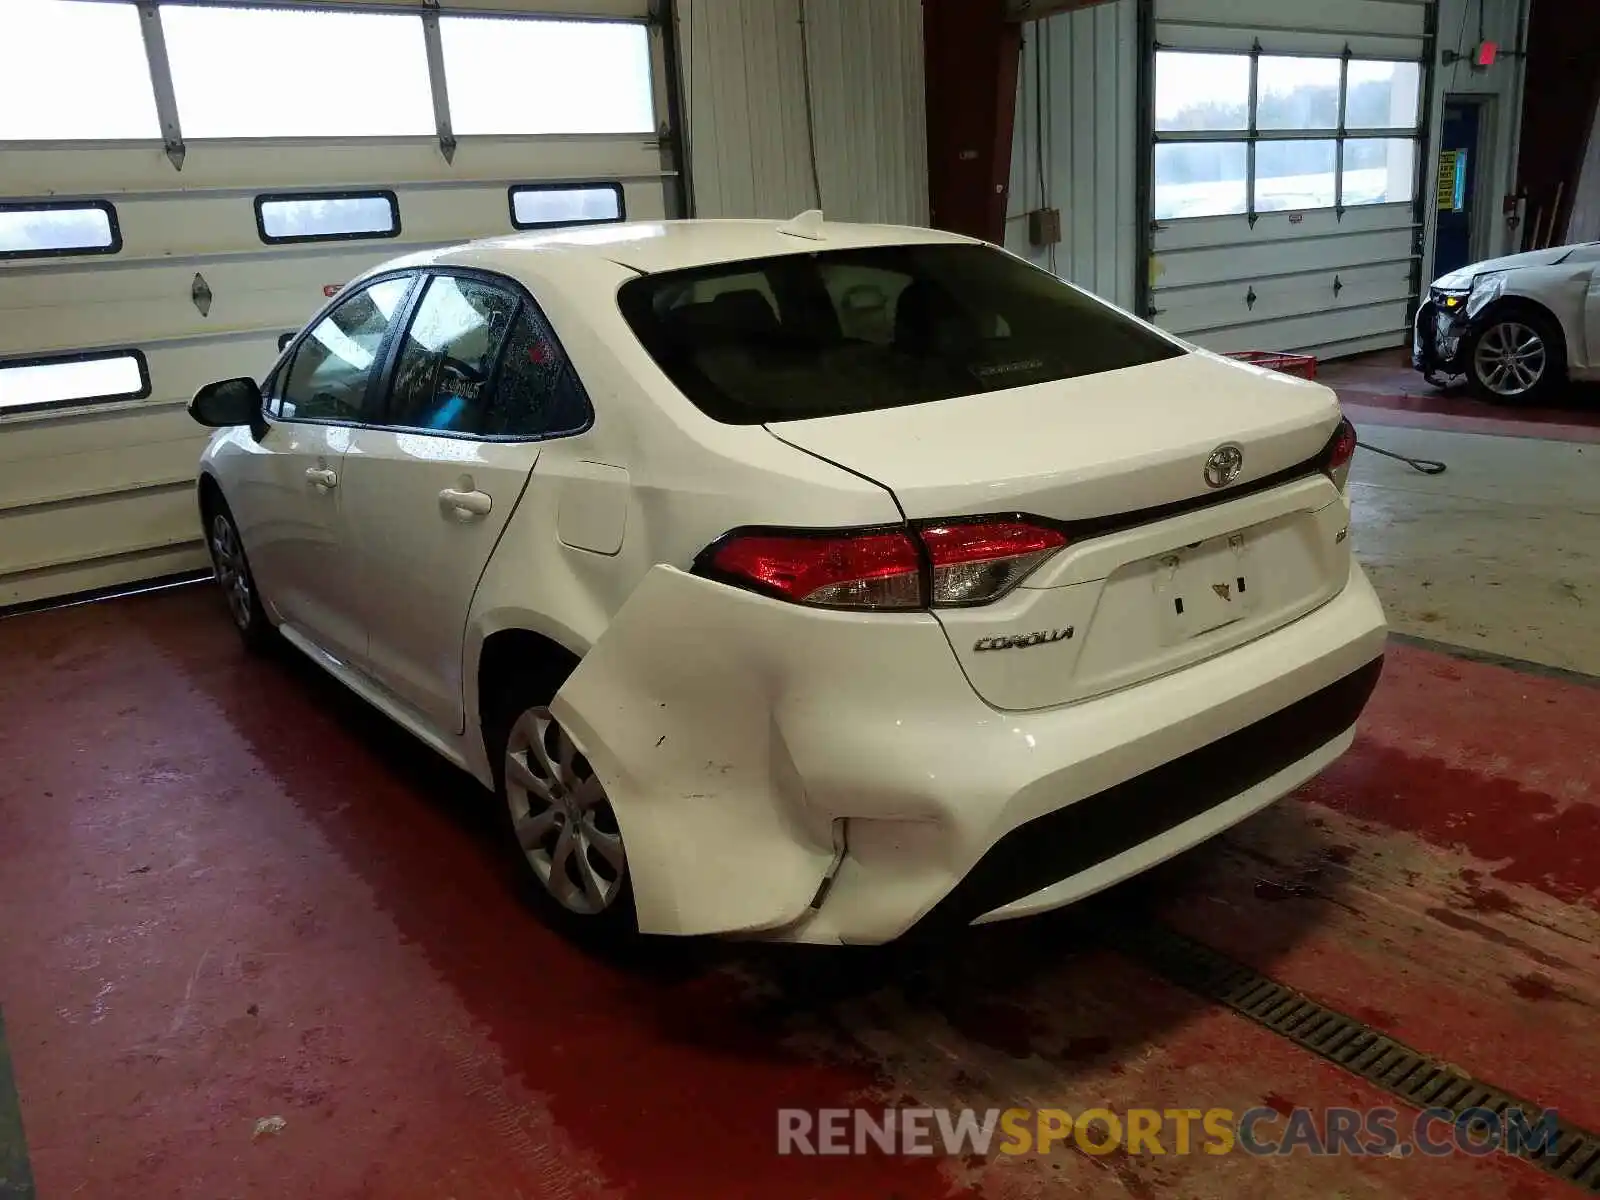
(1338, 286)
(1250, 298)
(155, 49)
(200, 293)
(441, 97)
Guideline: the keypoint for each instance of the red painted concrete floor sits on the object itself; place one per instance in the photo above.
(1382, 389)
(229, 892)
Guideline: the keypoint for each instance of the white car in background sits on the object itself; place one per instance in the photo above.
(1516, 327)
(801, 580)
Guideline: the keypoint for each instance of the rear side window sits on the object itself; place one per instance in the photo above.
(480, 361)
(845, 331)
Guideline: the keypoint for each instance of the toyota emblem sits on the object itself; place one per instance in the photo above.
(1223, 465)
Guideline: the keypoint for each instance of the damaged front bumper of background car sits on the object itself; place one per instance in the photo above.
(1448, 319)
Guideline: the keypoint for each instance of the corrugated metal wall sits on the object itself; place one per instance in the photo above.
(750, 148)
(1074, 147)
(1459, 22)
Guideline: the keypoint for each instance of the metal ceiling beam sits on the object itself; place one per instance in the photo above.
(1038, 10)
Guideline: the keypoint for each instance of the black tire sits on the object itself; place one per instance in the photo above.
(1499, 356)
(234, 577)
(561, 899)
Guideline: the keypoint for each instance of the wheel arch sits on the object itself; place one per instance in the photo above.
(208, 494)
(495, 659)
(1514, 303)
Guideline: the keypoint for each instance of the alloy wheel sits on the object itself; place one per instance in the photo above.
(1510, 359)
(233, 573)
(561, 815)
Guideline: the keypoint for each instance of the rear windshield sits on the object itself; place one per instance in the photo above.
(846, 331)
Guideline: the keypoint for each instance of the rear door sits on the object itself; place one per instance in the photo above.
(287, 496)
(478, 380)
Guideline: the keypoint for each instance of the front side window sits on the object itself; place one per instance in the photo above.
(480, 361)
(846, 331)
(328, 377)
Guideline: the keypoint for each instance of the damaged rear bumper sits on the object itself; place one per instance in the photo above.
(809, 775)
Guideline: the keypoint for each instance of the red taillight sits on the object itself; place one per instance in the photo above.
(975, 563)
(968, 562)
(1341, 447)
(846, 570)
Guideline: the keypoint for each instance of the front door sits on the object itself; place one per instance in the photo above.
(1458, 151)
(477, 383)
(291, 498)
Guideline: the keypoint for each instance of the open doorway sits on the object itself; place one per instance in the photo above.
(1463, 206)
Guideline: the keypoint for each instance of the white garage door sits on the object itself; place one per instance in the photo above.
(181, 184)
(1285, 181)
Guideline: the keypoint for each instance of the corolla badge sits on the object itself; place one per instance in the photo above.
(1020, 641)
(1223, 465)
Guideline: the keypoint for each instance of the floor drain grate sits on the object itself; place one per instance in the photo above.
(1417, 1078)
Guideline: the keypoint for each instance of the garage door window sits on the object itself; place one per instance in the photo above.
(1298, 93)
(74, 71)
(68, 380)
(518, 75)
(1196, 92)
(1307, 132)
(327, 217)
(1201, 179)
(1383, 95)
(48, 229)
(1379, 170)
(251, 72)
(540, 206)
(1295, 175)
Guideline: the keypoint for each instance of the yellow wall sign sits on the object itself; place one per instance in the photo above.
(1452, 181)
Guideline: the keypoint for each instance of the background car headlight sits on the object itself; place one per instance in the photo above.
(1485, 290)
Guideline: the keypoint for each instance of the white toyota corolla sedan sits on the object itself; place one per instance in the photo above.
(809, 581)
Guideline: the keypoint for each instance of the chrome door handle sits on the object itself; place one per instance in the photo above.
(473, 504)
(321, 477)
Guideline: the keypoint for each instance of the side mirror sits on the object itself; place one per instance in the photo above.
(230, 402)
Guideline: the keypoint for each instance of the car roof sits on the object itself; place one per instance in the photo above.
(652, 246)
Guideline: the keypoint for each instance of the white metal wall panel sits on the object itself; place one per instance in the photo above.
(1074, 147)
(103, 494)
(1322, 281)
(1502, 85)
(868, 106)
(750, 144)
(745, 108)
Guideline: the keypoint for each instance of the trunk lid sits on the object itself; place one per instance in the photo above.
(1130, 598)
(1101, 444)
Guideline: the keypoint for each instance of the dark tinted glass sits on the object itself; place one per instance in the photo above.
(454, 377)
(843, 331)
(538, 394)
(448, 355)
